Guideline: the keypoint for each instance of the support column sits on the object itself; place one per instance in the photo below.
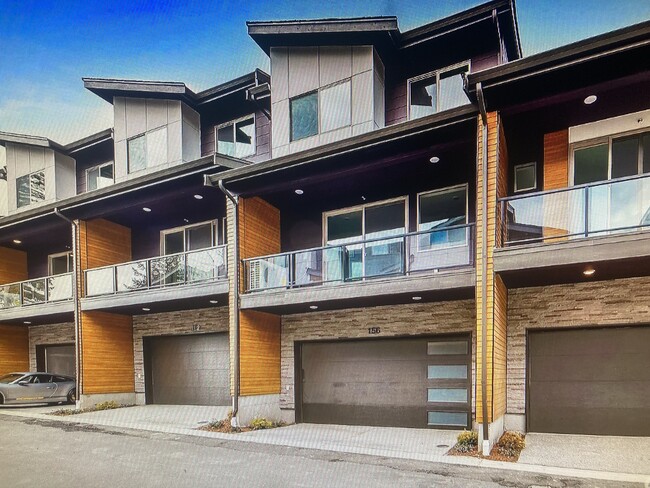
(493, 355)
(14, 339)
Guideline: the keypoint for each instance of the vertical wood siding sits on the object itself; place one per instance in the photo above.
(107, 353)
(13, 265)
(14, 349)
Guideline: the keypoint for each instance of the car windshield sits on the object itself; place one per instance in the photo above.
(8, 378)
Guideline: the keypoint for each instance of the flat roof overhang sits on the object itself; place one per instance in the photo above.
(39, 314)
(614, 256)
(453, 284)
(439, 130)
(566, 69)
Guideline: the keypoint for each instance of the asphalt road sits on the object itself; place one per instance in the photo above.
(46, 454)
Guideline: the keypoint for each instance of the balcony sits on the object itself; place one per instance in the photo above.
(49, 296)
(406, 263)
(604, 221)
(169, 278)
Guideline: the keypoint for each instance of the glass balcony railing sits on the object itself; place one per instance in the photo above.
(174, 269)
(387, 256)
(32, 292)
(595, 209)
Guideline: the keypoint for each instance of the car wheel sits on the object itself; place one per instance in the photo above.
(72, 396)
(2, 399)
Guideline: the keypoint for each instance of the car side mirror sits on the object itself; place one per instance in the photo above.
(23, 383)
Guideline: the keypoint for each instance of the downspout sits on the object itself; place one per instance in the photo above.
(484, 231)
(235, 245)
(75, 294)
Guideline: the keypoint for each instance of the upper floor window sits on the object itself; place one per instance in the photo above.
(237, 138)
(30, 189)
(99, 176)
(438, 210)
(60, 263)
(611, 157)
(437, 91)
(324, 110)
(147, 150)
(525, 177)
(192, 237)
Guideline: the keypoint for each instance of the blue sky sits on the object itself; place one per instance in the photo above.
(47, 46)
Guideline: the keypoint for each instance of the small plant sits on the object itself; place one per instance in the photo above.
(109, 405)
(467, 441)
(511, 444)
(260, 423)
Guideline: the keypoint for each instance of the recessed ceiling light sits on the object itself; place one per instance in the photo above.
(590, 99)
(146, 209)
(417, 299)
(214, 302)
(589, 271)
(27, 322)
(434, 159)
(198, 197)
(17, 241)
(298, 191)
(186, 221)
(313, 307)
(363, 198)
(145, 309)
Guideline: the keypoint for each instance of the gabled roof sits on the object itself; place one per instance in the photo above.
(383, 32)
(108, 88)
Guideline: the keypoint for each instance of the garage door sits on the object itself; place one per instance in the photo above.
(58, 359)
(188, 370)
(423, 382)
(589, 381)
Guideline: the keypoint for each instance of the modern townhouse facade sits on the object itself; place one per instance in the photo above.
(415, 229)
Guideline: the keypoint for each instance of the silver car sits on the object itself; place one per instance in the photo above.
(37, 388)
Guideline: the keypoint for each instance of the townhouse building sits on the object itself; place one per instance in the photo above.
(414, 229)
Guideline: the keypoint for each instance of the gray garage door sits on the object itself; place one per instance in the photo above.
(593, 381)
(188, 370)
(422, 382)
(56, 359)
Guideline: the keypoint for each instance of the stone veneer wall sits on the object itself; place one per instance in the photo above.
(48, 335)
(597, 303)
(173, 323)
(395, 320)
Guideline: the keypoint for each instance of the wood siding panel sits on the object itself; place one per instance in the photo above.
(556, 160)
(259, 333)
(108, 365)
(13, 265)
(103, 243)
(259, 353)
(14, 349)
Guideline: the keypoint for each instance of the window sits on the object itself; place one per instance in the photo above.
(611, 157)
(190, 238)
(304, 116)
(438, 210)
(329, 108)
(525, 177)
(99, 176)
(237, 138)
(30, 189)
(60, 263)
(147, 150)
(437, 91)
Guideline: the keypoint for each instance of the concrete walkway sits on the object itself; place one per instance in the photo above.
(622, 459)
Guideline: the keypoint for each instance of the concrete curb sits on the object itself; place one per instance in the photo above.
(258, 438)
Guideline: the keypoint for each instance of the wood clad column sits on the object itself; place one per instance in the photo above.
(259, 333)
(495, 291)
(106, 339)
(14, 339)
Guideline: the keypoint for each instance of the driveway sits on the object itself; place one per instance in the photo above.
(590, 452)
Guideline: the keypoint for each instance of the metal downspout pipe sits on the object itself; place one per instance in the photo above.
(235, 245)
(75, 295)
(484, 231)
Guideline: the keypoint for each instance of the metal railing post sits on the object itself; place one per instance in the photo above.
(586, 222)
(46, 290)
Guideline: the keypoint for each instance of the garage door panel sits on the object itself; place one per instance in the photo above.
(602, 388)
(383, 382)
(190, 370)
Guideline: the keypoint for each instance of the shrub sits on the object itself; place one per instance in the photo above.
(467, 441)
(106, 405)
(511, 444)
(260, 423)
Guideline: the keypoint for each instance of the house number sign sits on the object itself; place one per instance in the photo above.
(374, 330)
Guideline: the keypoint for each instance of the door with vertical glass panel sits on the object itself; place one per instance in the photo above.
(350, 257)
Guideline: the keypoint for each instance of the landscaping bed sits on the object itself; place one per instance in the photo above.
(64, 412)
(225, 426)
(508, 448)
